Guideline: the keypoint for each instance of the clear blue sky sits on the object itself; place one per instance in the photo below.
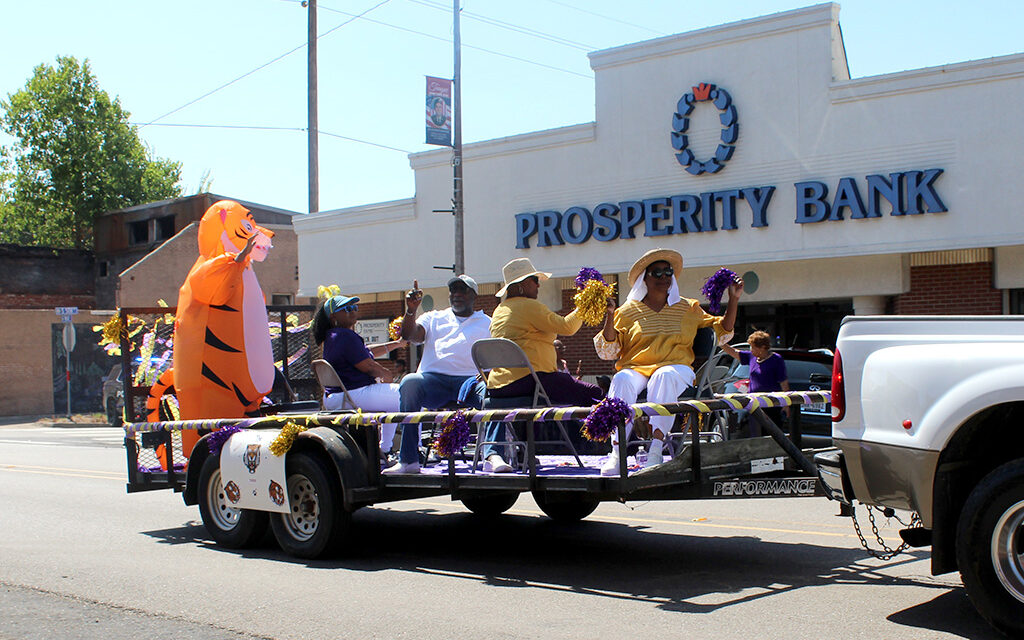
(534, 74)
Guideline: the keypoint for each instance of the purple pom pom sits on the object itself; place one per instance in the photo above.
(215, 441)
(715, 286)
(586, 274)
(604, 419)
(454, 435)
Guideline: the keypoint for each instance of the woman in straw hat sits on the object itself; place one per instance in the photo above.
(529, 323)
(651, 339)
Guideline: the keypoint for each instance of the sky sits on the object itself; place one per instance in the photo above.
(209, 84)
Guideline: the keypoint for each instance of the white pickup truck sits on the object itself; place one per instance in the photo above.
(928, 417)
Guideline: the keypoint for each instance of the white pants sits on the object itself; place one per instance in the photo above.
(664, 385)
(382, 396)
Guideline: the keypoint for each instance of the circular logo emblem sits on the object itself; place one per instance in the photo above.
(721, 99)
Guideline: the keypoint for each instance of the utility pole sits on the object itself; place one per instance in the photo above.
(313, 125)
(460, 254)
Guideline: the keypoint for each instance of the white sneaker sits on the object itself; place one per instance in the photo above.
(611, 466)
(401, 467)
(496, 464)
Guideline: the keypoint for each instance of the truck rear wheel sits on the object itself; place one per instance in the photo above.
(228, 526)
(566, 508)
(990, 548)
(490, 503)
(317, 520)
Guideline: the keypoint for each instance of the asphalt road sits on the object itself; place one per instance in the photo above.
(80, 558)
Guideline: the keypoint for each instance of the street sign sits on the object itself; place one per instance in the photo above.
(68, 336)
(66, 311)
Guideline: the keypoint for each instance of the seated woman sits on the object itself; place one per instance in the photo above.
(767, 373)
(651, 339)
(355, 364)
(529, 323)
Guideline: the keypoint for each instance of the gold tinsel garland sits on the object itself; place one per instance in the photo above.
(283, 442)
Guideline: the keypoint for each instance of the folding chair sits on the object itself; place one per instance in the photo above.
(328, 377)
(491, 353)
(709, 379)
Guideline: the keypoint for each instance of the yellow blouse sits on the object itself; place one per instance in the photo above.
(648, 339)
(534, 327)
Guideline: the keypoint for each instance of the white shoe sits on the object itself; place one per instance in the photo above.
(611, 466)
(401, 467)
(496, 464)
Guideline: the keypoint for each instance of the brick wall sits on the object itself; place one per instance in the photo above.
(579, 348)
(389, 309)
(950, 289)
(42, 278)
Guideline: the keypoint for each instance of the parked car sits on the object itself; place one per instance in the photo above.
(113, 396)
(807, 371)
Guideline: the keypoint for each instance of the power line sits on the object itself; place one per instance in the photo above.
(273, 128)
(464, 46)
(509, 26)
(598, 15)
(262, 66)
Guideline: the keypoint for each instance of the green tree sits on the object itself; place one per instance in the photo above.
(74, 157)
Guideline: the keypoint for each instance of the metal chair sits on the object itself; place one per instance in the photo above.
(491, 353)
(328, 377)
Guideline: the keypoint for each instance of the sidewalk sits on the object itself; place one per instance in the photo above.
(78, 420)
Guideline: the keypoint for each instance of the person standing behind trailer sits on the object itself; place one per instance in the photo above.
(447, 337)
(767, 372)
(651, 339)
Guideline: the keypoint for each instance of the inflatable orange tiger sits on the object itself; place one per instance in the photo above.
(223, 363)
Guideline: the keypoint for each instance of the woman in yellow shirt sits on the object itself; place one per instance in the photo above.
(529, 323)
(651, 339)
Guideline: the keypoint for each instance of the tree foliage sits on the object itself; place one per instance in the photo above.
(75, 156)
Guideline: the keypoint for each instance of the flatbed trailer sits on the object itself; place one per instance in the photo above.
(333, 468)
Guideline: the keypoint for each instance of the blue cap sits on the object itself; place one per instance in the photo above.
(337, 302)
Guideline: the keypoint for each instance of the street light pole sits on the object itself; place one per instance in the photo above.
(313, 125)
(460, 255)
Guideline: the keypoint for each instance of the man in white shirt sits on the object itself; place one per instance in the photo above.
(447, 337)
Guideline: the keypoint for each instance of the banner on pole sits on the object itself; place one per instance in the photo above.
(439, 111)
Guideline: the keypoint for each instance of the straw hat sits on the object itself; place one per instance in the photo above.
(516, 271)
(655, 255)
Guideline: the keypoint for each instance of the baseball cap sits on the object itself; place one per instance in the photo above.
(469, 282)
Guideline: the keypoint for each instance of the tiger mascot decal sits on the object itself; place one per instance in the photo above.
(223, 364)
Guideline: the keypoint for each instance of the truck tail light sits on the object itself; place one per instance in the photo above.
(838, 389)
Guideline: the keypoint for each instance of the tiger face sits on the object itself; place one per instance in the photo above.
(226, 228)
(251, 457)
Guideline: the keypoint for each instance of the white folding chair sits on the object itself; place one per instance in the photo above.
(491, 353)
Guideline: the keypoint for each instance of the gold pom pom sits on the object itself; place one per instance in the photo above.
(329, 291)
(395, 329)
(283, 442)
(592, 300)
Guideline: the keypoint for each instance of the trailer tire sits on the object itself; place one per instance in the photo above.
(317, 521)
(568, 508)
(490, 503)
(228, 526)
(989, 548)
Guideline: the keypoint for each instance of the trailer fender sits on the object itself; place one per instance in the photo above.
(200, 453)
(343, 452)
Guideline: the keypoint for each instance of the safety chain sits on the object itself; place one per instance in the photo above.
(886, 553)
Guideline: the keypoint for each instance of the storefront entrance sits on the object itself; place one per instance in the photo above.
(801, 325)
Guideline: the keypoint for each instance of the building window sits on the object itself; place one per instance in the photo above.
(138, 232)
(104, 268)
(164, 227)
(1016, 302)
(278, 299)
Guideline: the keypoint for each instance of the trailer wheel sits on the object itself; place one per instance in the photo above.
(567, 508)
(228, 526)
(317, 521)
(990, 548)
(490, 503)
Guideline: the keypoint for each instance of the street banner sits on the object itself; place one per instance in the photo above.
(439, 111)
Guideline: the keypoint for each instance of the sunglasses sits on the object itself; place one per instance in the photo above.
(660, 273)
(349, 308)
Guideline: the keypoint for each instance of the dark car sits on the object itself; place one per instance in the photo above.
(807, 371)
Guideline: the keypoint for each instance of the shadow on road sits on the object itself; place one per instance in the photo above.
(675, 572)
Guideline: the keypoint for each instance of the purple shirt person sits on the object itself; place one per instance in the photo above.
(768, 374)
